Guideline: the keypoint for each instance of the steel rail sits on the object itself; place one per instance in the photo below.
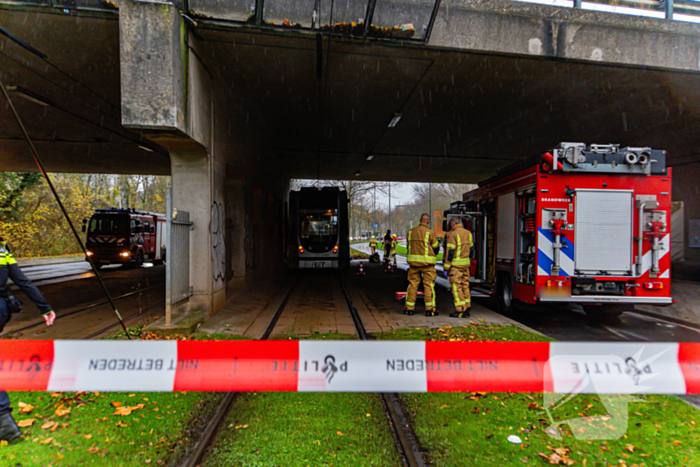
(222, 411)
(114, 325)
(80, 310)
(407, 445)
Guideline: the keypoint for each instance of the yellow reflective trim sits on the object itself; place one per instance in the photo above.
(427, 243)
(436, 244)
(432, 288)
(450, 245)
(461, 262)
(422, 259)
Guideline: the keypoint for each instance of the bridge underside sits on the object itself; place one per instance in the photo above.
(321, 106)
(234, 112)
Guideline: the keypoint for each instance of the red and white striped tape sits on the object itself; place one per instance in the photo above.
(350, 366)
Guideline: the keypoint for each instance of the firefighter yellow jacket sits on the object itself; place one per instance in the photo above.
(457, 247)
(422, 246)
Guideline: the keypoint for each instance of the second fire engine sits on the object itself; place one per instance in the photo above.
(579, 224)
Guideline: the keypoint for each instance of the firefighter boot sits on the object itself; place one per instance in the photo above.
(460, 314)
(431, 313)
(408, 312)
(8, 428)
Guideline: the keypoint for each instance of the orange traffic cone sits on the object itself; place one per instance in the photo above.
(395, 266)
(388, 267)
(361, 272)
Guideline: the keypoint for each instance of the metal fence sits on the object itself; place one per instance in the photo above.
(177, 266)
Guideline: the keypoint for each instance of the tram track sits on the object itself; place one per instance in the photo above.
(93, 307)
(405, 440)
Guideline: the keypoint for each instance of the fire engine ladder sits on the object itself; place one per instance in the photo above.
(177, 267)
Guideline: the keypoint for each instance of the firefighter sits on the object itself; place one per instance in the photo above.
(373, 244)
(9, 268)
(458, 243)
(387, 245)
(422, 247)
(394, 243)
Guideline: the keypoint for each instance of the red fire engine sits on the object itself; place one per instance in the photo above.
(125, 236)
(585, 225)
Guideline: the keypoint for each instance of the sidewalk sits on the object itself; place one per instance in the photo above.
(685, 310)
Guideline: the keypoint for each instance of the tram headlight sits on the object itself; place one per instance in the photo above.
(335, 249)
(89, 253)
(301, 249)
(125, 254)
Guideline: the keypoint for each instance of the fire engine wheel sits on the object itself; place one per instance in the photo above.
(139, 260)
(504, 294)
(606, 311)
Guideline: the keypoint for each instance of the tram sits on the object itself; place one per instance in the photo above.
(318, 231)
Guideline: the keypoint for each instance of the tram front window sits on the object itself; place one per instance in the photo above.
(318, 230)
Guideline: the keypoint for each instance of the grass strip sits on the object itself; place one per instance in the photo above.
(472, 429)
(266, 429)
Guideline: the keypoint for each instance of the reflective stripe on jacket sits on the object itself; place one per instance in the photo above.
(458, 246)
(421, 246)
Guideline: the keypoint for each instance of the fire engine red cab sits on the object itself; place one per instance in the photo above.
(125, 236)
(589, 225)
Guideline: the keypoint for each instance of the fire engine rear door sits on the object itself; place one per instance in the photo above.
(604, 220)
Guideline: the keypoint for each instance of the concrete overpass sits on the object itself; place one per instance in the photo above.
(233, 107)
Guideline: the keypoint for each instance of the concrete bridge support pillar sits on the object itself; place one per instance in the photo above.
(169, 96)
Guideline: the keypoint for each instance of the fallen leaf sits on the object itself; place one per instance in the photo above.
(472, 322)
(533, 406)
(87, 437)
(676, 443)
(121, 424)
(630, 447)
(482, 320)
(61, 411)
(46, 441)
(3, 443)
(116, 404)
(93, 450)
(339, 433)
(48, 425)
(56, 394)
(124, 411)
(26, 423)
(25, 409)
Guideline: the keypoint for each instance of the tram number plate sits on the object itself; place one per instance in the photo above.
(319, 264)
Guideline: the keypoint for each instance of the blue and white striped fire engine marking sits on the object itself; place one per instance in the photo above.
(545, 254)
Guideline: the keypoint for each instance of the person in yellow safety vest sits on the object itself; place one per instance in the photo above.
(9, 269)
(456, 263)
(394, 242)
(422, 247)
(373, 244)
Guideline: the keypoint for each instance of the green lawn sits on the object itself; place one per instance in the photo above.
(84, 429)
(472, 429)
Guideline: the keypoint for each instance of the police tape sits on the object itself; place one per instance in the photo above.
(350, 366)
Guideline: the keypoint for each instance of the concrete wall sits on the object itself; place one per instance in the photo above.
(687, 189)
(541, 30)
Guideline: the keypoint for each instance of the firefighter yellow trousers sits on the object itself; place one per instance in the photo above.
(459, 285)
(428, 275)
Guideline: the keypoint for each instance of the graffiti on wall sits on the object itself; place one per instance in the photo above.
(218, 245)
